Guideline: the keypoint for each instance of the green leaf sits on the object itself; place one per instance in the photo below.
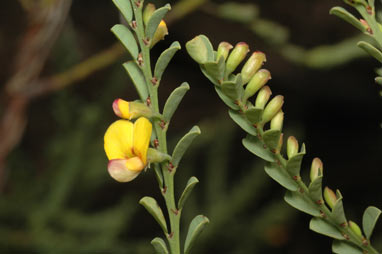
(348, 17)
(155, 19)
(294, 164)
(272, 138)
(187, 191)
(183, 145)
(255, 146)
(281, 176)
(342, 247)
(124, 7)
(225, 99)
(369, 219)
(210, 49)
(254, 114)
(153, 208)
(164, 59)
(242, 121)
(338, 209)
(207, 75)
(320, 226)
(127, 38)
(300, 202)
(196, 227)
(371, 50)
(233, 89)
(216, 69)
(158, 174)
(159, 246)
(315, 189)
(138, 79)
(174, 100)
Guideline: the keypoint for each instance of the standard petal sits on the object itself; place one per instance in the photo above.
(142, 135)
(118, 140)
(119, 171)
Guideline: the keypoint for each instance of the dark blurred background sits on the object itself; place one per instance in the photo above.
(61, 70)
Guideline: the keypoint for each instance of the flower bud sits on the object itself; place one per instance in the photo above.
(330, 197)
(153, 156)
(277, 121)
(316, 169)
(273, 108)
(236, 57)
(355, 228)
(223, 50)
(197, 50)
(131, 109)
(160, 33)
(252, 65)
(263, 97)
(148, 12)
(258, 81)
(292, 146)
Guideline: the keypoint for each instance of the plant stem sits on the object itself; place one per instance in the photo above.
(160, 127)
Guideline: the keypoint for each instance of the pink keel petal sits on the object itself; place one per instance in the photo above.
(118, 170)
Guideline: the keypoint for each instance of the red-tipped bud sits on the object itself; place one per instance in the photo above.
(330, 197)
(263, 97)
(252, 65)
(317, 169)
(277, 121)
(256, 83)
(292, 146)
(223, 50)
(273, 107)
(236, 57)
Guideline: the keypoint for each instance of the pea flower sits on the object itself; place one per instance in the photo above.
(126, 145)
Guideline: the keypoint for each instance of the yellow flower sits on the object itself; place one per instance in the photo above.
(126, 146)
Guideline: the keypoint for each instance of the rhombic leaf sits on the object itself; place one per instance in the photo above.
(281, 176)
(322, 227)
(298, 201)
(255, 146)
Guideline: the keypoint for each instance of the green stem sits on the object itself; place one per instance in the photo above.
(160, 127)
(326, 213)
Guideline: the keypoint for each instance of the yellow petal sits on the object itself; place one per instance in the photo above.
(120, 172)
(118, 140)
(160, 33)
(121, 108)
(142, 135)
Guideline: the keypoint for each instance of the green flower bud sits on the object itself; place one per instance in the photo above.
(197, 50)
(263, 97)
(148, 12)
(236, 57)
(277, 121)
(316, 169)
(292, 146)
(252, 66)
(330, 197)
(258, 81)
(223, 50)
(272, 108)
(355, 228)
(154, 156)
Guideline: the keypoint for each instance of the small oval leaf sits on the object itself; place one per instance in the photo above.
(196, 227)
(242, 121)
(124, 7)
(183, 145)
(254, 114)
(232, 90)
(338, 209)
(153, 208)
(164, 59)
(127, 39)
(187, 191)
(371, 50)
(207, 75)
(174, 100)
(348, 17)
(210, 49)
(298, 201)
(225, 99)
(342, 247)
(255, 146)
(272, 138)
(320, 226)
(369, 219)
(294, 164)
(138, 79)
(216, 69)
(155, 19)
(315, 189)
(281, 176)
(159, 245)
